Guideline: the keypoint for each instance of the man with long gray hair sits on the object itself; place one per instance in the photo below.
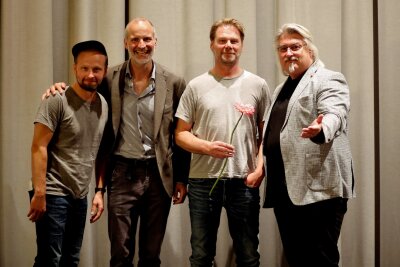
(307, 161)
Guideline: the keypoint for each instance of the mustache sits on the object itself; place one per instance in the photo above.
(292, 58)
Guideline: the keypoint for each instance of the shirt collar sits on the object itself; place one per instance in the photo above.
(153, 71)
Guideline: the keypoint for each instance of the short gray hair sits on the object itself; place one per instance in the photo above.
(293, 28)
(136, 20)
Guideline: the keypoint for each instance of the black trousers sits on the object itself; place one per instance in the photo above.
(136, 191)
(310, 233)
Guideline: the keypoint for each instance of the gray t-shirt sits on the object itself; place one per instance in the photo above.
(208, 104)
(77, 128)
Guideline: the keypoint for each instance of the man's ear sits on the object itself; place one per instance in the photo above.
(311, 53)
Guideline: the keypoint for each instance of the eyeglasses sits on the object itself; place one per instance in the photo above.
(293, 47)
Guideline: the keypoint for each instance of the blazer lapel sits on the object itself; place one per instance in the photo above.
(116, 99)
(300, 88)
(159, 98)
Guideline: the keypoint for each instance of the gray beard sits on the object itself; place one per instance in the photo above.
(291, 67)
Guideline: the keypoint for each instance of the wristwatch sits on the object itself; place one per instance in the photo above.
(102, 189)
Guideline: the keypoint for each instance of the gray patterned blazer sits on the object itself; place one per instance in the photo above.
(316, 171)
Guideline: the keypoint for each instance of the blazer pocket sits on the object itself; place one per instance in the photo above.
(168, 116)
(321, 172)
(168, 109)
(168, 166)
(305, 111)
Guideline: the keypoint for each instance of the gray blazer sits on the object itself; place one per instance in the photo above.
(316, 171)
(173, 162)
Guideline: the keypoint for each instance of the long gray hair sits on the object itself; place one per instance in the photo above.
(293, 28)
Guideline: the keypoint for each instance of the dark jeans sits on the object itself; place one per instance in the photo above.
(59, 232)
(310, 233)
(242, 206)
(136, 190)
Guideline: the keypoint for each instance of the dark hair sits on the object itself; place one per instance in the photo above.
(89, 45)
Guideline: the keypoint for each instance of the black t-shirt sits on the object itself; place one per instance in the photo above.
(275, 167)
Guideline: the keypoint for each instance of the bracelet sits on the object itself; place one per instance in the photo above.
(102, 189)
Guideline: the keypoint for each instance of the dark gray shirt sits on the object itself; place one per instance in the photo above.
(77, 128)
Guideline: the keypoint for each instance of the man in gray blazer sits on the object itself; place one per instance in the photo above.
(139, 161)
(306, 150)
(146, 168)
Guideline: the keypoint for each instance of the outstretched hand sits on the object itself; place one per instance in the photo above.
(314, 128)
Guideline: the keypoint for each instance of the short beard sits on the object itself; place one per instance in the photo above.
(87, 88)
(136, 60)
(228, 61)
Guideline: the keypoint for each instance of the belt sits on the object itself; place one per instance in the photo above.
(136, 162)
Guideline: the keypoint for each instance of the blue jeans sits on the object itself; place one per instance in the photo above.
(242, 205)
(59, 232)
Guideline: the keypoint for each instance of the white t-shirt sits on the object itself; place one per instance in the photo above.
(208, 104)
